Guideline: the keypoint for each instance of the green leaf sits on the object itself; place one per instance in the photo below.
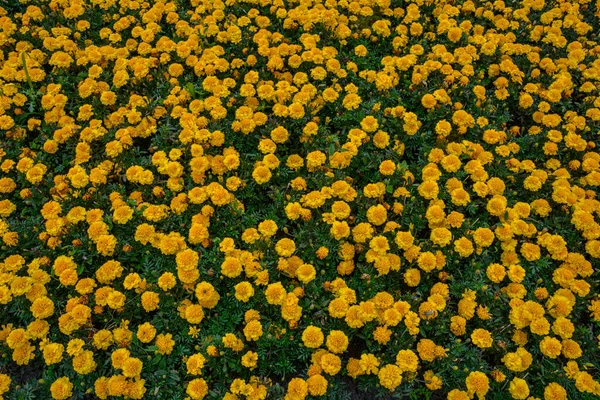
(331, 149)
(190, 88)
(156, 359)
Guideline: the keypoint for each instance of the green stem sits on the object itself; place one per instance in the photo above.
(26, 71)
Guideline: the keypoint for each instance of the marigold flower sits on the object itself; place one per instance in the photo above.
(555, 391)
(253, 330)
(61, 389)
(337, 341)
(297, 389)
(285, 247)
(197, 388)
(477, 383)
(150, 301)
(482, 338)
(146, 332)
(244, 291)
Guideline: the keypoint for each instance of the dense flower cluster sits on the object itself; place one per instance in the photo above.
(252, 199)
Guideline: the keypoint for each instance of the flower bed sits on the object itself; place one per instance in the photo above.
(302, 199)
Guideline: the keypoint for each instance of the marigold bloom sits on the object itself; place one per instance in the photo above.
(477, 383)
(197, 389)
(61, 389)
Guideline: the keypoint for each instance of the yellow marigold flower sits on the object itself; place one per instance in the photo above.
(429, 190)
(337, 341)
(381, 139)
(532, 183)
(109, 271)
(331, 363)
(146, 332)
(42, 307)
(441, 236)
(464, 247)
(61, 389)
(456, 394)
(322, 252)
(382, 335)
(443, 128)
(387, 168)
(244, 291)
(407, 360)
(477, 383)
(454, 34)
(458, 325)
(285, 247)
(250, 235)
(390, 376)
(315, 159)
(118, 357)
(351, 101)
(150, 301)
(195, 363)
(550, 347)
(306, 273)
(6, 122)
(369, 124)
(38, 329)
(106, 245)
(167, 281)
(197, 389)
(194, 314)
(108, 98)
(165, 343)
(297, 389)
(432, 381)
(377, 215)
(296, 111)
(53, 353)
(483, 237)
(253, 330)
(261, 174)
(103, 339)
(280, 135)
(427, 261)
(412, 277)
(428, 101)
(450, 163)
(231, 267)
(317, 385)
(267, 228)
(525, 100)
(518, 388)
(5, 383)
(554, 391)
(338, 307)
(83, 363)
(369, 364)
(330, 95)
(250, 359)
(132, 367)
(116, 385)
(497, 205)
(61, 59)
(518, 361)
(585, 382)
(295, 162)
(340, 230)
(482, 338)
